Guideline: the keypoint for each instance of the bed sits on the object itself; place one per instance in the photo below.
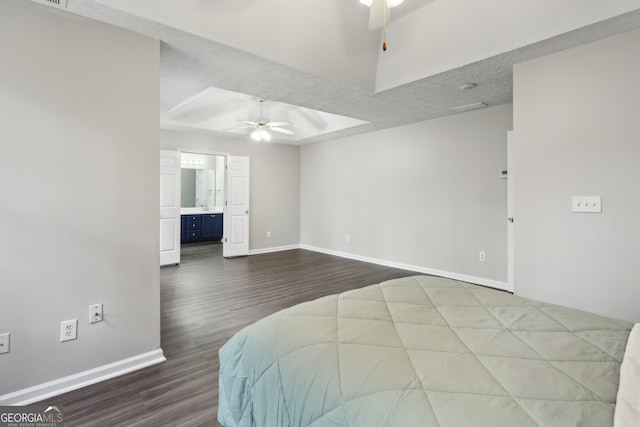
(426, 351)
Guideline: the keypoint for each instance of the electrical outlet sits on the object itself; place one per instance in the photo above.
(346, 238)
(5, 342)
(68, 330)
(482, 256)
(268, 234)
(95, 313)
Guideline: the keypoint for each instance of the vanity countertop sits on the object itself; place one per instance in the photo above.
(199, 211)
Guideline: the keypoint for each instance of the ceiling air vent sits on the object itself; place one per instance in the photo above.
(61, 4)
(469, 107)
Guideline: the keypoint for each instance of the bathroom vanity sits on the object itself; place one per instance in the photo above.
(201, 227)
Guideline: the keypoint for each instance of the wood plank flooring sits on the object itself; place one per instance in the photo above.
(204, 301)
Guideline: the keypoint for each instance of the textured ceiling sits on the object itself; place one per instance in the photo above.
(190, 63)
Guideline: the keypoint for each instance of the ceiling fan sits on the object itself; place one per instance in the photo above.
(380, 12)
(262, 126)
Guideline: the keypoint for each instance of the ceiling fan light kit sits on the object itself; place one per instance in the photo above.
(390, 3)
(379, 15)
(260, 135)
(261, 126)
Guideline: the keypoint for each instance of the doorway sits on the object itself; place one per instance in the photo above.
(202, 197)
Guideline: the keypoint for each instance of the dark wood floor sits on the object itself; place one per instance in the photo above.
(204, 302)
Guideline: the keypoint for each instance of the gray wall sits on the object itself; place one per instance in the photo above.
(274, 183)
(426, 194)
(79, 127)
(577, 131)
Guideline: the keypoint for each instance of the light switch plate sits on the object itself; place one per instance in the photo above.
(5, 341)
(589, 204)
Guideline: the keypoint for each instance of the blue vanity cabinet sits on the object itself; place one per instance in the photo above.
(201, 228)
(217, 226)
(190, 228)
(207, 226)
(194, 225)
(212, 227)
(184, 229)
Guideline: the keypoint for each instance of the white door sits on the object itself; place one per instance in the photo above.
(236, 209)
(510, 219)
(169, 207)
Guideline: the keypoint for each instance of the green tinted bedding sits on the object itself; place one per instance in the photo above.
(423, 351)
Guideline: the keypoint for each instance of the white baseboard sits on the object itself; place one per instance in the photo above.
(274, 249)
(73, 382)
(462, 277)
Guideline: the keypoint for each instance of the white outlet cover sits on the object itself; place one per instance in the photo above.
(68, 330)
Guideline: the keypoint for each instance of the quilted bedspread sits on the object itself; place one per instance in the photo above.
(423, 351)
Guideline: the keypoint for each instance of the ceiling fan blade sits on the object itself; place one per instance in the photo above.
(279, 124)
(285, 131)
(249, 122)
(239, 127)
(379, 14)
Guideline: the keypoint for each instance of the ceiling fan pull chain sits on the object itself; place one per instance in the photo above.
(384, 28)
(384, 39)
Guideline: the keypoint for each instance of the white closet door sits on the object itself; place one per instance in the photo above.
(236, 210)
(169, 207)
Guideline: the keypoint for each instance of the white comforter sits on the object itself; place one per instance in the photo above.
(628, 402)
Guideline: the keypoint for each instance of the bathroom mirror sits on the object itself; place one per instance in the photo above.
(201, 181)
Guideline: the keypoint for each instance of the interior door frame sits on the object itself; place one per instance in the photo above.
(210, 153)
(510, 211)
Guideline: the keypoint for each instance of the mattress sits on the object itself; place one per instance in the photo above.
(423, 351)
